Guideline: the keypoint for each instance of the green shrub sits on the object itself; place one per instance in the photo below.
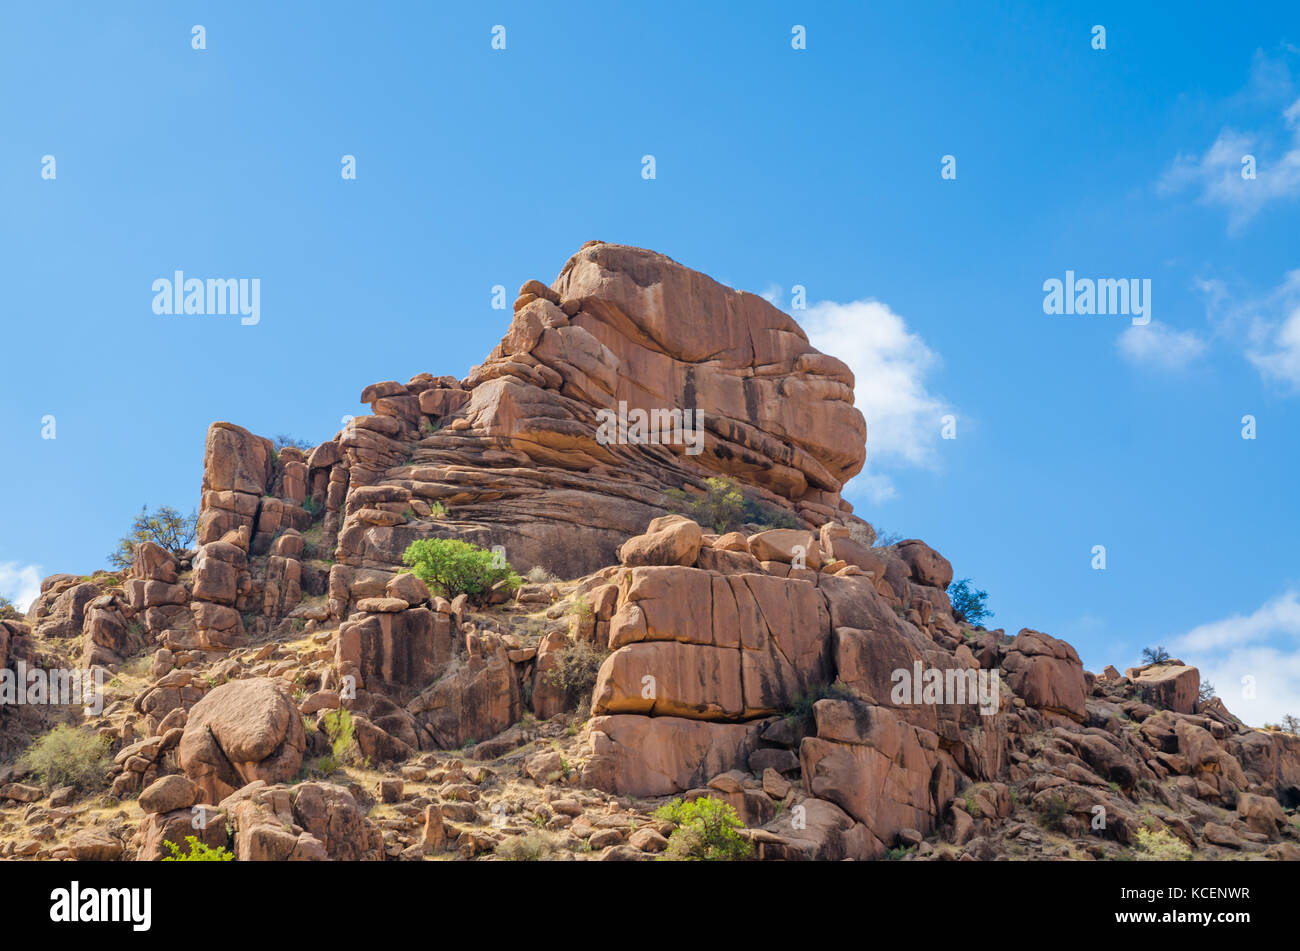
(1054, 811)
(725, 507)
(706, 831)
(198, 852)
(530, 847)
(68, 756)
(803, 702)
(341, 732)
(969, 603)
(312, 508)
(167, 527)
(8, 611)
(1161, 846)
(722, 507)
(451, 567)
(576, 672)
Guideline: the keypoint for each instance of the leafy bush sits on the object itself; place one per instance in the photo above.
(1054, 811)
(530, 847)
(706, 831)
(725, 507)
(576, 673)
(1161, 846)
(8, 611)
(198, 852)
(68, 756)
(803, 703)
(341, 732)
(451, 567)
(167, 527)
(769, 516)
(312, 508)
(722, 507)
(969, 603)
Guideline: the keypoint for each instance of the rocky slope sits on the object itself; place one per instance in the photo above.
(758, 667)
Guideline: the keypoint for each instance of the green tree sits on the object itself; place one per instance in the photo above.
(706, 831)
(166, 527)
(452, 567)
(969, 604)
(8, 611)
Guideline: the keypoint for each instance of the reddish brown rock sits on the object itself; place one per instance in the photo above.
(1046, 673)
(240, 732)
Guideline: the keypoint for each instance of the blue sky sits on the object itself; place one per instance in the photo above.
(775, 167)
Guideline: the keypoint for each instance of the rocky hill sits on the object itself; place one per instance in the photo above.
(818, 683)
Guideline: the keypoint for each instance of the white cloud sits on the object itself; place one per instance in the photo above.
(1266, 328)
(1253, 660)
(1275, 349)
(1159, 345)
(20, 583)
(1217, 174)
(890, 365)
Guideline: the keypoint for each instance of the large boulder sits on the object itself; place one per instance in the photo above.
(662, 756)
(240, 732)
(928, 567)
(1170, 686)
(1046, 673)
(670, 540)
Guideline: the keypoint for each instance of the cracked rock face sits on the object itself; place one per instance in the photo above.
(241, 732)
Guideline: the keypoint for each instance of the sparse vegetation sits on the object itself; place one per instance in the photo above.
(289, 442)
(539, 575)
(452, 567)
(725, 507)
(166, 527)
(530, 847)
(1206, 692)
(706, 831)
(8, 611)
(1161, 846)
(803, 703)
(341, 732)
(69, 756)
(576, 673)
(885, 539)
(198, 852)
(1054, 812)
(721, 508)
(969, 604)
(1154, 655)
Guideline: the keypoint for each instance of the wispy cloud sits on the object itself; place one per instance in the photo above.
(890, 365)
(1252, 659)
(1267, 328)
(1216, 175)
(1159, 345)
(20, 583)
